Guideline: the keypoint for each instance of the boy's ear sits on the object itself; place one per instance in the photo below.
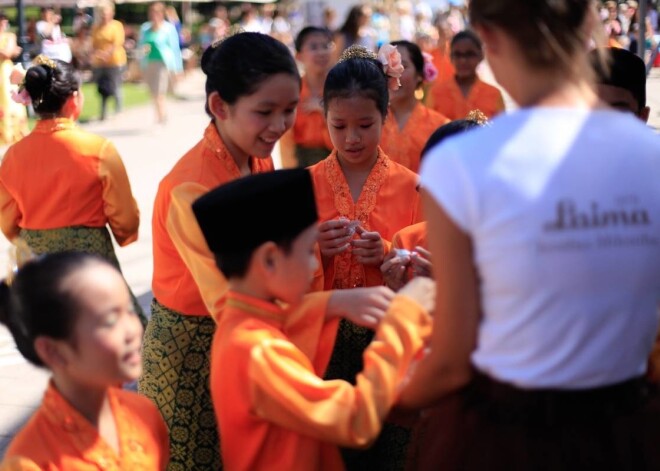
(50, 352)
(218, 107)
(266, 257)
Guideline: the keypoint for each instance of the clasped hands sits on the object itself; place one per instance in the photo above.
(340, 235)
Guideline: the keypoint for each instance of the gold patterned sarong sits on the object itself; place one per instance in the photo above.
(94, 240)
(176, 360)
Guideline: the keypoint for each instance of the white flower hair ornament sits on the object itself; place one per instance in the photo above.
(392, 66)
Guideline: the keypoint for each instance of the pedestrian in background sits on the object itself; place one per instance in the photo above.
(159, 43)
(109, 56)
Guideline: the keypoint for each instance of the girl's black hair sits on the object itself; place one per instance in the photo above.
(357, 76)
(467, 34)
(448, 130)
(236, 66)
(36, 304)
(415, 54)
(50, 87)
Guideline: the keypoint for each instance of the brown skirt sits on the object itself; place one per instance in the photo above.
(495, 426)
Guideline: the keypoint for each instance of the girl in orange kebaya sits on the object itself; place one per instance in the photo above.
(363, 198)
(307, 141)
(464, 92)
(72, 313)
(60, 187)
(252, 89)
(410, 123)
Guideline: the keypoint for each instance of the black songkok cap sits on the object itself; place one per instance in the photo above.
(627, 70)
(245, 213)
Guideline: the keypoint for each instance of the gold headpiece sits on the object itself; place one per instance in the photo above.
(19, 254)
(478, 117)
(233, 31)
(357, 52)
(46, 61)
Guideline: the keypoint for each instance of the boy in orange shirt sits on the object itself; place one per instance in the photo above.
(265, 390)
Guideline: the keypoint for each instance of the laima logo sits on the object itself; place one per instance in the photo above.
(569, 217)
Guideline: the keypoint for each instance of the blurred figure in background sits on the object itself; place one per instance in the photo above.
(159, 43)
(355, 30)
(13, 116)
(109, 56)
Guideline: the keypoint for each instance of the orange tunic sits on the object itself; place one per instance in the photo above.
(388, 202)
(61, 176)
(185, 277)
(443, 64)
(410, 237)
(404, 146)
(269, 394)
(58, 437)
(446, 98)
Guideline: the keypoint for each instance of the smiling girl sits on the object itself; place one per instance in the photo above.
(252, 90)
(72, 313)
(363, 198)
(464, 92)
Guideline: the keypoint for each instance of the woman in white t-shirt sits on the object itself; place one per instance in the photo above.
(545, 235)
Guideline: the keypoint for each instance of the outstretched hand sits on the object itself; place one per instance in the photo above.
(362, 306)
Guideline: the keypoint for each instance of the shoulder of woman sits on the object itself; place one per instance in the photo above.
(18, 463)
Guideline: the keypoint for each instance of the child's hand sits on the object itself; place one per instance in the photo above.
(369, 248)
(394, 269)
(422, 290)
(421, 262)
(334, 237)
(362, 306)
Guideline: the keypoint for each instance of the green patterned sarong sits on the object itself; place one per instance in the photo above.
(176, 361)
(389, 451)
(95, 240)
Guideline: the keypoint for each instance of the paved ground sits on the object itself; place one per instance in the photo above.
(149, 151)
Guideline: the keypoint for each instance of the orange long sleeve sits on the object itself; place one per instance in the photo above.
(189, 241)
(119, 205)
(286, 391)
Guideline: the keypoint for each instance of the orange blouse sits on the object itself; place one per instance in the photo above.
(61, 176)
(443, 64)
(446, 98)
(404, 146)
(388, 202)
(185, 277)
(270, 395)
(410, 237)
(58, 437)
(309, 129)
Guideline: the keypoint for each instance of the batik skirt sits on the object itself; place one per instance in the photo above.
(95, 240)
(389, 451)
(176, 368)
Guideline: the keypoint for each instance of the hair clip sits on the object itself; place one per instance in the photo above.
(233, 31)
(478, 117)
(392, 66)
(19, 254)
(356, 52)
(430, 71)
(45, 61)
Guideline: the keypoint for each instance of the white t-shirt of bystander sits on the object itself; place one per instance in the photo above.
(563, 210)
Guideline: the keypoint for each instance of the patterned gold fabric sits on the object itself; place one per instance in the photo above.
(389, 451)
(94, 240)
(176, 377)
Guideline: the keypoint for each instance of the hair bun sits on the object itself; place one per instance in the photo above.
(357, 52)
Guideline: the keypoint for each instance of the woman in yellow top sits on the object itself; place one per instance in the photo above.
(109, 56)
(13, 116)
(60, 186)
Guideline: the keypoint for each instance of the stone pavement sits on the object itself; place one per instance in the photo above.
(149, 151)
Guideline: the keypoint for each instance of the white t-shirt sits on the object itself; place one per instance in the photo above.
(563, 208)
